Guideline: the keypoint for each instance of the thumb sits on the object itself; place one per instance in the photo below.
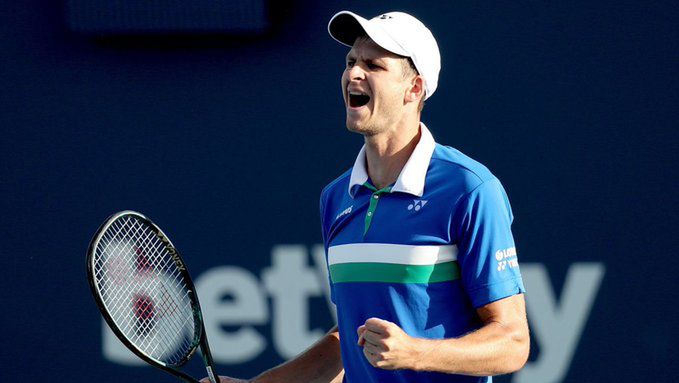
(361, 331)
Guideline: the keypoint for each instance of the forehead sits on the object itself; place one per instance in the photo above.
(366, 47)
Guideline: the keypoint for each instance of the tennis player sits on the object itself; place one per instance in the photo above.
(422, 263)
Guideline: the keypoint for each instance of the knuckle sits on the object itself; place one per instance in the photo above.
(387, 346)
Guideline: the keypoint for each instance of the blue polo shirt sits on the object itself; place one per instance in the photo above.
(424, 253)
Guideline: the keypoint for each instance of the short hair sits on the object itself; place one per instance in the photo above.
(408, 67)
(409, 71)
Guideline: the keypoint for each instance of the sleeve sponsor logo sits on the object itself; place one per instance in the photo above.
(506, 258)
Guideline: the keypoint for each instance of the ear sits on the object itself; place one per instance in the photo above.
(416, 90)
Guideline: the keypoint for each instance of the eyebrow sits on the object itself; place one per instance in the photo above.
(353, 56)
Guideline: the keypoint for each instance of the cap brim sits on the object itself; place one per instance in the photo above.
(346, 26)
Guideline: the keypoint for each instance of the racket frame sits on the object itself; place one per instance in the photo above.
(200, 338)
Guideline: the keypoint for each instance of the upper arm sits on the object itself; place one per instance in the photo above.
(504, 311)
(510, 314)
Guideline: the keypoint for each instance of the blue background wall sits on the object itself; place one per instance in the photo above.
(226, 142)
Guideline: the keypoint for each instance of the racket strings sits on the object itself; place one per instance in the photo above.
(144, 291)
(144, 322)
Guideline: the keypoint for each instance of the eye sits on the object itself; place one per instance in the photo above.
(350, 63)
(373, 66)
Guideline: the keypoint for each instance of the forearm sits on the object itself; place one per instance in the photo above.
(491, 350)
(321, 363)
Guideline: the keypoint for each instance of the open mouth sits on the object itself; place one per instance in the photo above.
(357, 100)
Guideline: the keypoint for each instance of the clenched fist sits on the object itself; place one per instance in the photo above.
(387, 346)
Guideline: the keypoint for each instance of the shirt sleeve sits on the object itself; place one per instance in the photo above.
(481, 228)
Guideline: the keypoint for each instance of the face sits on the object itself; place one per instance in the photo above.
(374, 88)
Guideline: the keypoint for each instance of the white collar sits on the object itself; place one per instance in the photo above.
(413, 174)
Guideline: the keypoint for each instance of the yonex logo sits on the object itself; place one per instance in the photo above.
(384, 17)
(506, 257)
(172, 251)
(417, 204)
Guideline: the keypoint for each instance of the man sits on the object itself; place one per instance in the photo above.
(421, 259)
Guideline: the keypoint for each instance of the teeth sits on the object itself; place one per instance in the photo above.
(357, 94)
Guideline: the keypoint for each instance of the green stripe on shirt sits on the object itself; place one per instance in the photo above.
(394, 273)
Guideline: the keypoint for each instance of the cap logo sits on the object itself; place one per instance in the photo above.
(385, 16)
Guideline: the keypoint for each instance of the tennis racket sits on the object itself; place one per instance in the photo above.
(144, 292)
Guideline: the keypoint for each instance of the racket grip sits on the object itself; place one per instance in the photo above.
(211, 375)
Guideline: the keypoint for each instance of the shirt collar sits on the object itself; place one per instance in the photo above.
(413, 174)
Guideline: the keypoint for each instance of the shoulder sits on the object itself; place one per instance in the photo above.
(456, 168)
(333, 194)
(339, 183)
(336, 189)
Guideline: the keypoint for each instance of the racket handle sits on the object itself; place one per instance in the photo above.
(211, 375)
(207, 356)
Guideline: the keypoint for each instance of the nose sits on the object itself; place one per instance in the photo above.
(356, 72)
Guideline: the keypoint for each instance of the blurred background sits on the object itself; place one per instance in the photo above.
(223, 120)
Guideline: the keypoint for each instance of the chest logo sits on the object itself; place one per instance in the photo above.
(344, 212)
(417, 204)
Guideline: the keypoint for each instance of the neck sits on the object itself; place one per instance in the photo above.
(387, 153)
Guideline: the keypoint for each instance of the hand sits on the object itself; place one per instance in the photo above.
(387, 346)
(225, 379)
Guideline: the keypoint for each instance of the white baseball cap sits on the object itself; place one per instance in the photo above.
(397, 32)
